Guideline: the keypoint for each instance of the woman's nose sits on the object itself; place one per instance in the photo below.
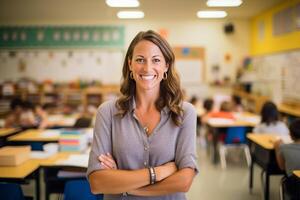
(147, 66)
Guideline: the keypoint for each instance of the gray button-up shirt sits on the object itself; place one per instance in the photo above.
(125, 139)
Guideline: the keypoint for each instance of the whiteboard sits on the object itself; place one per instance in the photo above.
(100, 65)
(279, 74)
(291, 76)
(190, 71)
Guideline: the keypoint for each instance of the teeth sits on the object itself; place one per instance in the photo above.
(147, 77)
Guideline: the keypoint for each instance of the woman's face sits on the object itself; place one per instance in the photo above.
(147, 65)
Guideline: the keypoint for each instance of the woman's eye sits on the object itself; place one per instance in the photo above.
(156, 60)
(139, 60)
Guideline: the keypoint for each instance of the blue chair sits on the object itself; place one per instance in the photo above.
(11, 191)
(235, 137)
(79, 190)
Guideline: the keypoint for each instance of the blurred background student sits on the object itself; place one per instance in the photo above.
(288, 159)
(270, 122)
(25, 115)
(237, 105)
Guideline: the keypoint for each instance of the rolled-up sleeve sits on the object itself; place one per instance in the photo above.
(186, 156)
(102, 137)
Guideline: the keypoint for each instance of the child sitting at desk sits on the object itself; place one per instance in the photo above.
(270, 122)
(225, 112)
(237, 105)
(288, 155)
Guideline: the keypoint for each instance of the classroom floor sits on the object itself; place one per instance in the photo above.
(213, 183)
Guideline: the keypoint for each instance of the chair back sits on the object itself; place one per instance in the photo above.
(236, 135)
(11, 191)
(79, 190)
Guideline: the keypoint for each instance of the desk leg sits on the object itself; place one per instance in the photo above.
(37, 184)
(267, 186)
(251, 168)
(215, 145)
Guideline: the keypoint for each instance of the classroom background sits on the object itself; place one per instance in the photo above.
(59, 60)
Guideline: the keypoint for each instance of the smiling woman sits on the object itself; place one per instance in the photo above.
(144, 142)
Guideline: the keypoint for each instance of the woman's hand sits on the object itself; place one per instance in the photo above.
(107, 161)
(165, 170)
(162, 172)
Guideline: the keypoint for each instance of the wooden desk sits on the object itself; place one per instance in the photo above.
(64, 121)
(33, 135)
(8, 131)
(30, 170)
(27, 170)
(297, 173)
(52, 161)
(5, 132)
(244, 119)
(19, 172)
(290, 110)
(51, 167)
(263, 154)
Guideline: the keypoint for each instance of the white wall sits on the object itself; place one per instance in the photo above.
(197, 33)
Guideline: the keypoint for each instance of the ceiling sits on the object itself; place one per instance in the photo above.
(83, 10)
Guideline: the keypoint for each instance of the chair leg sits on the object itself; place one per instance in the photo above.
(281, 191)
(248, 156)
(222, 152)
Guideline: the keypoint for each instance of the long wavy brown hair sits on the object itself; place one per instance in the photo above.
(170, 90)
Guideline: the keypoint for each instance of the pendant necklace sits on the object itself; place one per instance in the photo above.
(146, 129)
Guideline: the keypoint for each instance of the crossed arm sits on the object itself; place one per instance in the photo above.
(136, 182)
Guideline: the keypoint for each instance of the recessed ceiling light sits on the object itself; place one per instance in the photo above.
(130, 14)
(224, 3)
(211, 14)
(123, 3)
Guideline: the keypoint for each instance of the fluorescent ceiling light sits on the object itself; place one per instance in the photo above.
(123, 3)
(130, 14)
(224, 3)
(211, 14)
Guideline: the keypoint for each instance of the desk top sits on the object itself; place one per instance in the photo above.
(62, 120)
(51, 161)
(297, 173)
(7, 131)
(265, 140)
(242, 119)
(34, 135)
(20, 171)
(289, 110)
(23, 170)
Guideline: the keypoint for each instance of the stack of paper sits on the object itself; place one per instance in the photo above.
(72, 140)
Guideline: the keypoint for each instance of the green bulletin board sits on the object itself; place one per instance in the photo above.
(61, 36)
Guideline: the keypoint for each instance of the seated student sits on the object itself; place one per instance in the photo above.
(208, 105)
(237, 105)
(27, 116)
(13, 118)
(225, 112)
(24, 115)
(288, 155)
(194, 101)
(41, 116)
(270, 122)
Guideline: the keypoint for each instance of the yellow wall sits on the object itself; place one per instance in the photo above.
(270, 43)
